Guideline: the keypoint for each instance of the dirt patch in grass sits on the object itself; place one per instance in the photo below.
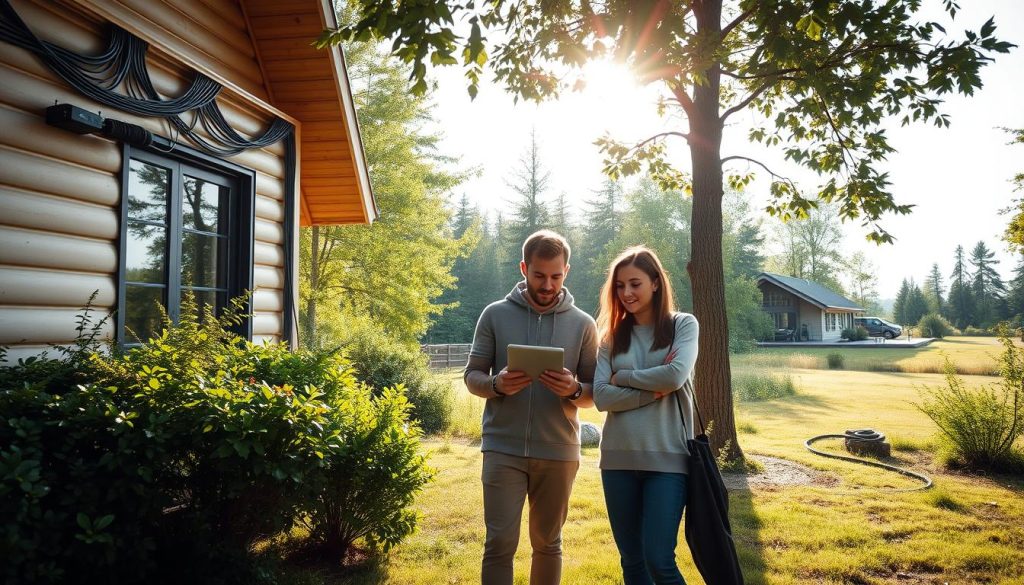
(778, 472)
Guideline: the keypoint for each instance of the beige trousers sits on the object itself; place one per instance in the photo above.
(508, 481)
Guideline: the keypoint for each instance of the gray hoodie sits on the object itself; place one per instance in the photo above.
(534, 422)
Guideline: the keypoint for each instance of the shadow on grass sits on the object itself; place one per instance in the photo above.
(746, 530)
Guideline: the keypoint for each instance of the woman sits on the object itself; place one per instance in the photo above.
(646, 357)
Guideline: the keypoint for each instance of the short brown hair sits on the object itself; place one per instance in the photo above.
(545, 244)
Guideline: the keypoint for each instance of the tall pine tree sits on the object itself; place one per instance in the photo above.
(529, 211)
(602, 219)
(916, 305)
(1015, 294)
(933, 290)
(961, 300)
(899, 307)
(987, 286)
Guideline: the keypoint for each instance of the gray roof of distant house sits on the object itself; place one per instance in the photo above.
(810, 291)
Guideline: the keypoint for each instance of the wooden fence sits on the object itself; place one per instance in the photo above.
(447, 355)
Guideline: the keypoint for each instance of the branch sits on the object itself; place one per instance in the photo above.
(777, 72)
(683, 98)
(736, 22)
(651, 139)
(763, 166)
(835, 130)
(746, 101)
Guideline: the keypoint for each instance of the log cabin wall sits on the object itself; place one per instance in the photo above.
(60, 192)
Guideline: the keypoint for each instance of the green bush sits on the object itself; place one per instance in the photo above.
(979, 426)
(168, 461)
(934, 325)
(835, 360)
(972, 331)
(381, 362)
(757, 387)
(371, 477)
(857, 333)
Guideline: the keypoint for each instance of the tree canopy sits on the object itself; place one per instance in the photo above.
(822, 75)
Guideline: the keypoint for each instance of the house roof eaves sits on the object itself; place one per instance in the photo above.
(767, 277)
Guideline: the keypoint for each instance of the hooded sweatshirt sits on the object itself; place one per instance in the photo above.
(535, 422)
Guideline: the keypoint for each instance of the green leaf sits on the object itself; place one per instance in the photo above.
(154, 383)
(104, 521)
(83, 521)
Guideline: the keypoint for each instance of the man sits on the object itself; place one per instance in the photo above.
(530, 443)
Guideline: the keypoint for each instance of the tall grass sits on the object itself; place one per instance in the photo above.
(467, 410)
(755, 387)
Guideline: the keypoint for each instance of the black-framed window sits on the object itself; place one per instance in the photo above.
(186, 226)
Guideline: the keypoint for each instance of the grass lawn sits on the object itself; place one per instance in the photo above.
(970, 355)
(967, 529)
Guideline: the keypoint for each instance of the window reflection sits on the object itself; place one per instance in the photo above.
(145, 252)
(200, 259)
(148, 189)
(142, 318)
(202, 205)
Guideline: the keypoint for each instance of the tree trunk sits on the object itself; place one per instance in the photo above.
(314, 283)
(713, 376)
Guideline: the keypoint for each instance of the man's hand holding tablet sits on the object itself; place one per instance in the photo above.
(544, 364)
(508, 383)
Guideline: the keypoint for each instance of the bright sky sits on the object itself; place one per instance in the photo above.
(958, 178)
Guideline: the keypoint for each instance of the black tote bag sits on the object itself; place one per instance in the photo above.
(707, 528)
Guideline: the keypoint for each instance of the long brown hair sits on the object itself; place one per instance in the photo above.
(615, 323)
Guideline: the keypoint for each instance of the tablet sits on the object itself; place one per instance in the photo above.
(534, 359)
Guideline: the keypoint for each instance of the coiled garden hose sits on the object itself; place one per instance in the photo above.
(868, 435)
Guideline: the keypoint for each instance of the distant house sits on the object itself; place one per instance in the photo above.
(191, 140)
(803, 310)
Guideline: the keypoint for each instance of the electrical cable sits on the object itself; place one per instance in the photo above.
(123, 64)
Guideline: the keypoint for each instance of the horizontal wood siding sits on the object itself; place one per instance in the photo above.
(60, 192)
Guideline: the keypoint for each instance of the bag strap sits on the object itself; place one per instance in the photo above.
(687, 384)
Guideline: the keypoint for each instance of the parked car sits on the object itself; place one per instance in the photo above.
(878, 327)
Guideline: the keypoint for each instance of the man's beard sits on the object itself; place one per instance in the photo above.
(533, 293)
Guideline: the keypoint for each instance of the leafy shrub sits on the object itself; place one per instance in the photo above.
(972, 331)
(381, 362)
(371, 478)
(980, 426)
(166, 462)
(934, 325)
(835, 360)
(857, 333)
(756, 387)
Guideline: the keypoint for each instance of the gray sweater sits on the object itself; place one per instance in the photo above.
(534, 422)
(641, 432)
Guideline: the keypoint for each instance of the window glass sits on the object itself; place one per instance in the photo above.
(146, 253)
(178, 239)
(148, 190)
(142, 315)
(200, 260)
(201, 208)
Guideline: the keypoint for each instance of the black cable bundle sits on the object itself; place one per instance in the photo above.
(125, 132)
(124, 64)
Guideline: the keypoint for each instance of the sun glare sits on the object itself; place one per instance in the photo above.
(611, 100)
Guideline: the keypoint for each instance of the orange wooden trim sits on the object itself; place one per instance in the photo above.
(329, 20)
(259, 58)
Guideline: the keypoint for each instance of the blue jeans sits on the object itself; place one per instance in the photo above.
(645, 509)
